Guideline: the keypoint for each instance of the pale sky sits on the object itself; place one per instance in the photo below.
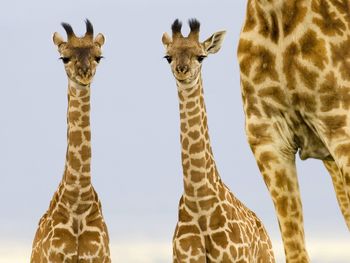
(136, 167)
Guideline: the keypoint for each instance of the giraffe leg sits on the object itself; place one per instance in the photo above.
(341, 187)
(275, 156)
(281, 179)
(335, 134)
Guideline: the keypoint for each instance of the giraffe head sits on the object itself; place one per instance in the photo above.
(186, 54)
(80, 55)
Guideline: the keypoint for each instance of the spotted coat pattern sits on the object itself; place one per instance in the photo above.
(295, 80)
(73, 229)
(213, 225)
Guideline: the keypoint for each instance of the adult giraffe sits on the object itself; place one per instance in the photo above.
(295, 78)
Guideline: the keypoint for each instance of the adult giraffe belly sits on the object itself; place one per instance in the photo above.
(286, 115)
(306, 139)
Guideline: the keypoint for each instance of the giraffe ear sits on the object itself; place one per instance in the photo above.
(213, 43)
(57, 39)
(166, 39)
(99, 39)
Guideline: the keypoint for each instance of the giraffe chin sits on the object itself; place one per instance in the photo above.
(82, 82)
(185, 79)
(186, 83)
(185, 86)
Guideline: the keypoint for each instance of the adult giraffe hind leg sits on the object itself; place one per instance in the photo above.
(341, 182)
(275, 156)
(335, 133)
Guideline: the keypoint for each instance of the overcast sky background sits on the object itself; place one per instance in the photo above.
(136, 166)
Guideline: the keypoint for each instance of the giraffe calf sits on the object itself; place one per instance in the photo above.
(73, 228)
(213, 225)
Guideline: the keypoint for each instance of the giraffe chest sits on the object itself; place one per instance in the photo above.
(72, 209)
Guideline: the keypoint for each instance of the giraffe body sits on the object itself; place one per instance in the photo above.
(213, 225)
(295, 79)
(73, 228)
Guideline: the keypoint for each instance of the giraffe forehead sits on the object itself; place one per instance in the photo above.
(185, 42)
(84, 51)
(185, 49)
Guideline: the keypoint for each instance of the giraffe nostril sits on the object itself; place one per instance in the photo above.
(182, 68)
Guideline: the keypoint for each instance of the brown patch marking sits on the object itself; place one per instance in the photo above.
(329, 22)
(85, 121)
(74, 116)
(334, 125)
(193, 242)
(330, 98)
(199, 163)
(291, 66)
(205, 191)
(249, 100)
(184, 216)
(283, 182)
(234, 233)
(85, 153)
(207, 204)
(304, 101)
(341, 57)
(220, 239)
(87, 135)
(64, 237)
(87, 242)
(250, 21)
(197, 176)
(202, 221)
(217, 219)
(262, 58)
(187, 229)
(210, 247)
(313, 49)
(73, 161)
(343, 150)
(266, 158)
(259, 134)
(290, 229)
(293, 13)
(274, 93)
(282, 205)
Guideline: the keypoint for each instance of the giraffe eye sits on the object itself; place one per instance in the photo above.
(65, 59)
(201, 58)
(98, 59)
(168, 58)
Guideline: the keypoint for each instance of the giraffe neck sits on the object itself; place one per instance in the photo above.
(78, 156)
(199, 169)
